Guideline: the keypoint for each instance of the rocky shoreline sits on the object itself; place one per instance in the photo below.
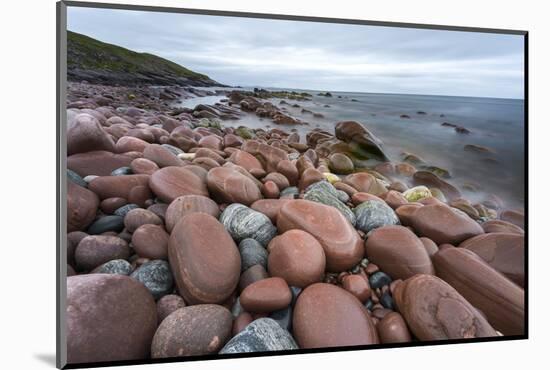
(188, 237)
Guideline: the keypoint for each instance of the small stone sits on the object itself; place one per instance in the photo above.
(122, 171)
(123, 211)
(358, 286)
(373, 214)
(76, 178)
(168, 304)
(297, 257)
(241, 322)
(387, 301)
(325, 193)
(251, 275)
(379, 279)
(187, 204)
(151, 241)
(117, 267)
(95, 250)
(283, 318)
(261, 335)
(252, 253)
(243, 222)
(291, 192)
(81, 207)
(138, 217)
(266, 295)
(417, 193)
(156, 276)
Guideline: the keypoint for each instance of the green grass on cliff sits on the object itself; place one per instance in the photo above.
(87, 53)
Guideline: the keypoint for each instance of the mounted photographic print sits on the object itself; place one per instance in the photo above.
(235, 184)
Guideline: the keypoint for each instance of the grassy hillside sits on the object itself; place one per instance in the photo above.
(99, 62)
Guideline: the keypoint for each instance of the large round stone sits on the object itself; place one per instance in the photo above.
(95, 250)
(161, 156)
(117, 186)
(82, 207)
(85, 133)
(398, 252)
(204, 258)
(328, 316)
(168, 183)
(98, 163)
(496, 296)
(189, 204)
(245, 160)
(269, 207)
(340, 163)
(130, 144)
(191, 331)
(297, 257)
(230, 186)
(499, 226)
(505, 252)
(342, 244)
(109, 318)
(444, 224)
(393, 329)
(266, 295)
(138, 217)
(261, 335)
(151, 241)
(365, 182)
(434, 310)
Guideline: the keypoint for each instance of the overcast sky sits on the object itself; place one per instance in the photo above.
(317, 56)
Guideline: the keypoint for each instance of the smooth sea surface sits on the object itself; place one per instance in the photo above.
(497, 124)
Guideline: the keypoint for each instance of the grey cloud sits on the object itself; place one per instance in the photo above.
(275, 53)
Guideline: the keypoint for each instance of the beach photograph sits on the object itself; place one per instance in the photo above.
(240, 184)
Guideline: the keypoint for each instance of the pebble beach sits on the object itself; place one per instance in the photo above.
(191, 233)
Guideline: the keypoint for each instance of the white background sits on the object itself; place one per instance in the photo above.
(28, 135)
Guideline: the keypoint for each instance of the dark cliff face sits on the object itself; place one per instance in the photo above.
(98, 62)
